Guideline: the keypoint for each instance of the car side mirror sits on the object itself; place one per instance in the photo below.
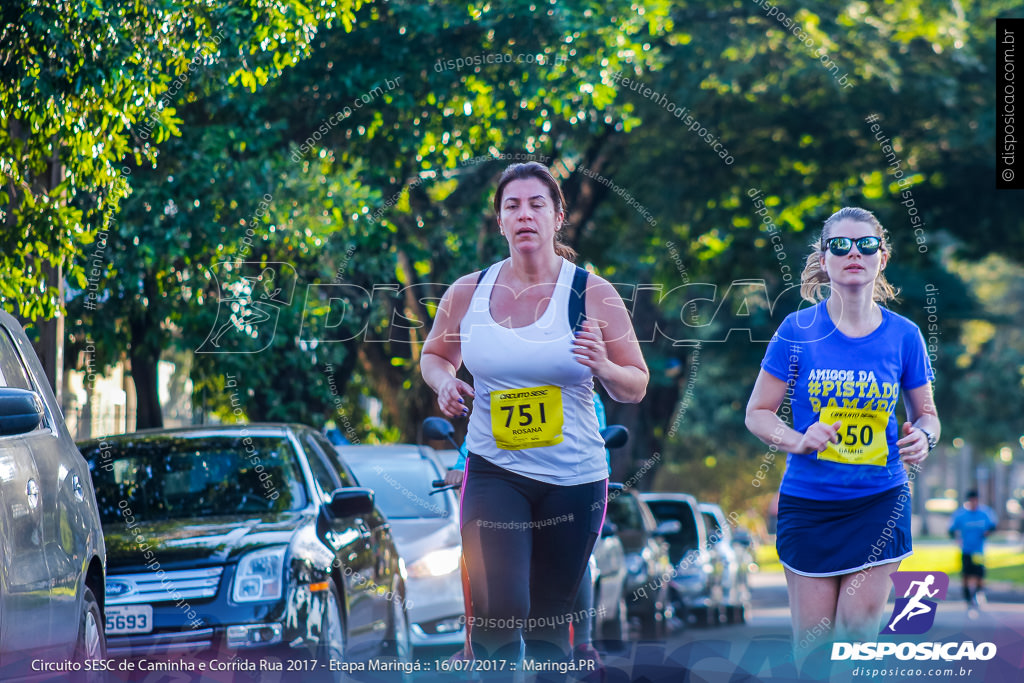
(669, 527)
(439, 429)
(349, 502)
(615, 436)
(21, 411)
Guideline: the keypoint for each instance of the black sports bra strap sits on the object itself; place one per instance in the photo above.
(577, 302)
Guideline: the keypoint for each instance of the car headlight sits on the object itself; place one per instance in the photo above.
(437, 563)
(260, 575)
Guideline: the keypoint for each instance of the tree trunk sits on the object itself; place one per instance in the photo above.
(147, 391)
(50, 347)
(403, 407)
(144, 352)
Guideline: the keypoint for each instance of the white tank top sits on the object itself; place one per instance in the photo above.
(506, 359)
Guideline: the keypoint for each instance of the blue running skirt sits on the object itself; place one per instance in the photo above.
(831, 538)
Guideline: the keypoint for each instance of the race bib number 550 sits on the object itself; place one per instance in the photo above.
(862, 436)
(527, 418)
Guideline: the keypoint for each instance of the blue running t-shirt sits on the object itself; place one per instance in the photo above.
(973, 525)
(856, 381)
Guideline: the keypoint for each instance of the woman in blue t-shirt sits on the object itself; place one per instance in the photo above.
(844, 503)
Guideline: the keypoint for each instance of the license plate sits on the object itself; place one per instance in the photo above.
(123, 619)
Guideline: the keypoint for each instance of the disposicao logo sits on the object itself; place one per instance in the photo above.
(914, 614)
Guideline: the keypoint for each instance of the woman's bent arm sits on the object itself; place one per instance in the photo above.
(765, 424)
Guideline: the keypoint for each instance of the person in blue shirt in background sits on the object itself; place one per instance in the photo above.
(583, 634)
(974, 522)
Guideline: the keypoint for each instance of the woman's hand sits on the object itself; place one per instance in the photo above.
(608, 346)
(589, 349)
(818, 436)
(913, 445)
(449, 397)
(453, 478)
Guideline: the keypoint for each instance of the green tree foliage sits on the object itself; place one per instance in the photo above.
(989, 365)
(86, 88)
(696, 185)
(416, 100)
(798, 132)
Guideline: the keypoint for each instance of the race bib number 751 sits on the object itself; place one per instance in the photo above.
(862, 436)
(527, 418)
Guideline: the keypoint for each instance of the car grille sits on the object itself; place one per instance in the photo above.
(173, 586)
(158, 643)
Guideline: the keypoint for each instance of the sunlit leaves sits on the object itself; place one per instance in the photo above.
(89, 87)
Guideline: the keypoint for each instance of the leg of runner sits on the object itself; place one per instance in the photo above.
(812, 600)
(467, 604)
(496, 545)
(862, 604)
(979, 586)
(965, 576)
(583, 651)
(582, 633)
(972, 578)
(567, 523)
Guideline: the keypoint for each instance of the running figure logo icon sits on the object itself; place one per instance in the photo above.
(251, 296)
(914, 613)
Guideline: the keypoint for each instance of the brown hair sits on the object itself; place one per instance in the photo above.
(814, 279)
(533, 169)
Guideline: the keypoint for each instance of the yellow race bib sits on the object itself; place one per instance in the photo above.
(862, 436)
(526, 418)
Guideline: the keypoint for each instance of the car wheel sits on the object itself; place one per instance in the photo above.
(399, 641)
(92, 643)
(333, 638)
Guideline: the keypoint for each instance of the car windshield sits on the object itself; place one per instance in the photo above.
(173, 477)
(686, 539)
(714, 530)
(402, 486)
(625, 513)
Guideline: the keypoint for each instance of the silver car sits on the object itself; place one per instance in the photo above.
(52, 557)
(735, 589)
(425, 524)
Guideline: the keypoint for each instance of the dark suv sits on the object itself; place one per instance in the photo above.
(647, 559)
(696, 585)
(52, 559)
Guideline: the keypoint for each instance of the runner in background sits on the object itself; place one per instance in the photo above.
(973, 522)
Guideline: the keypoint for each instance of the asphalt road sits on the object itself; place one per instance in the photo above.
(760, 650)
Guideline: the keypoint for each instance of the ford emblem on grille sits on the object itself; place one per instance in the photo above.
(116, 589)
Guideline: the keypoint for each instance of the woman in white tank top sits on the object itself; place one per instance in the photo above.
(535, 449)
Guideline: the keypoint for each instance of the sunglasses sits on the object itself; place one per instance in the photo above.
(840, 246)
